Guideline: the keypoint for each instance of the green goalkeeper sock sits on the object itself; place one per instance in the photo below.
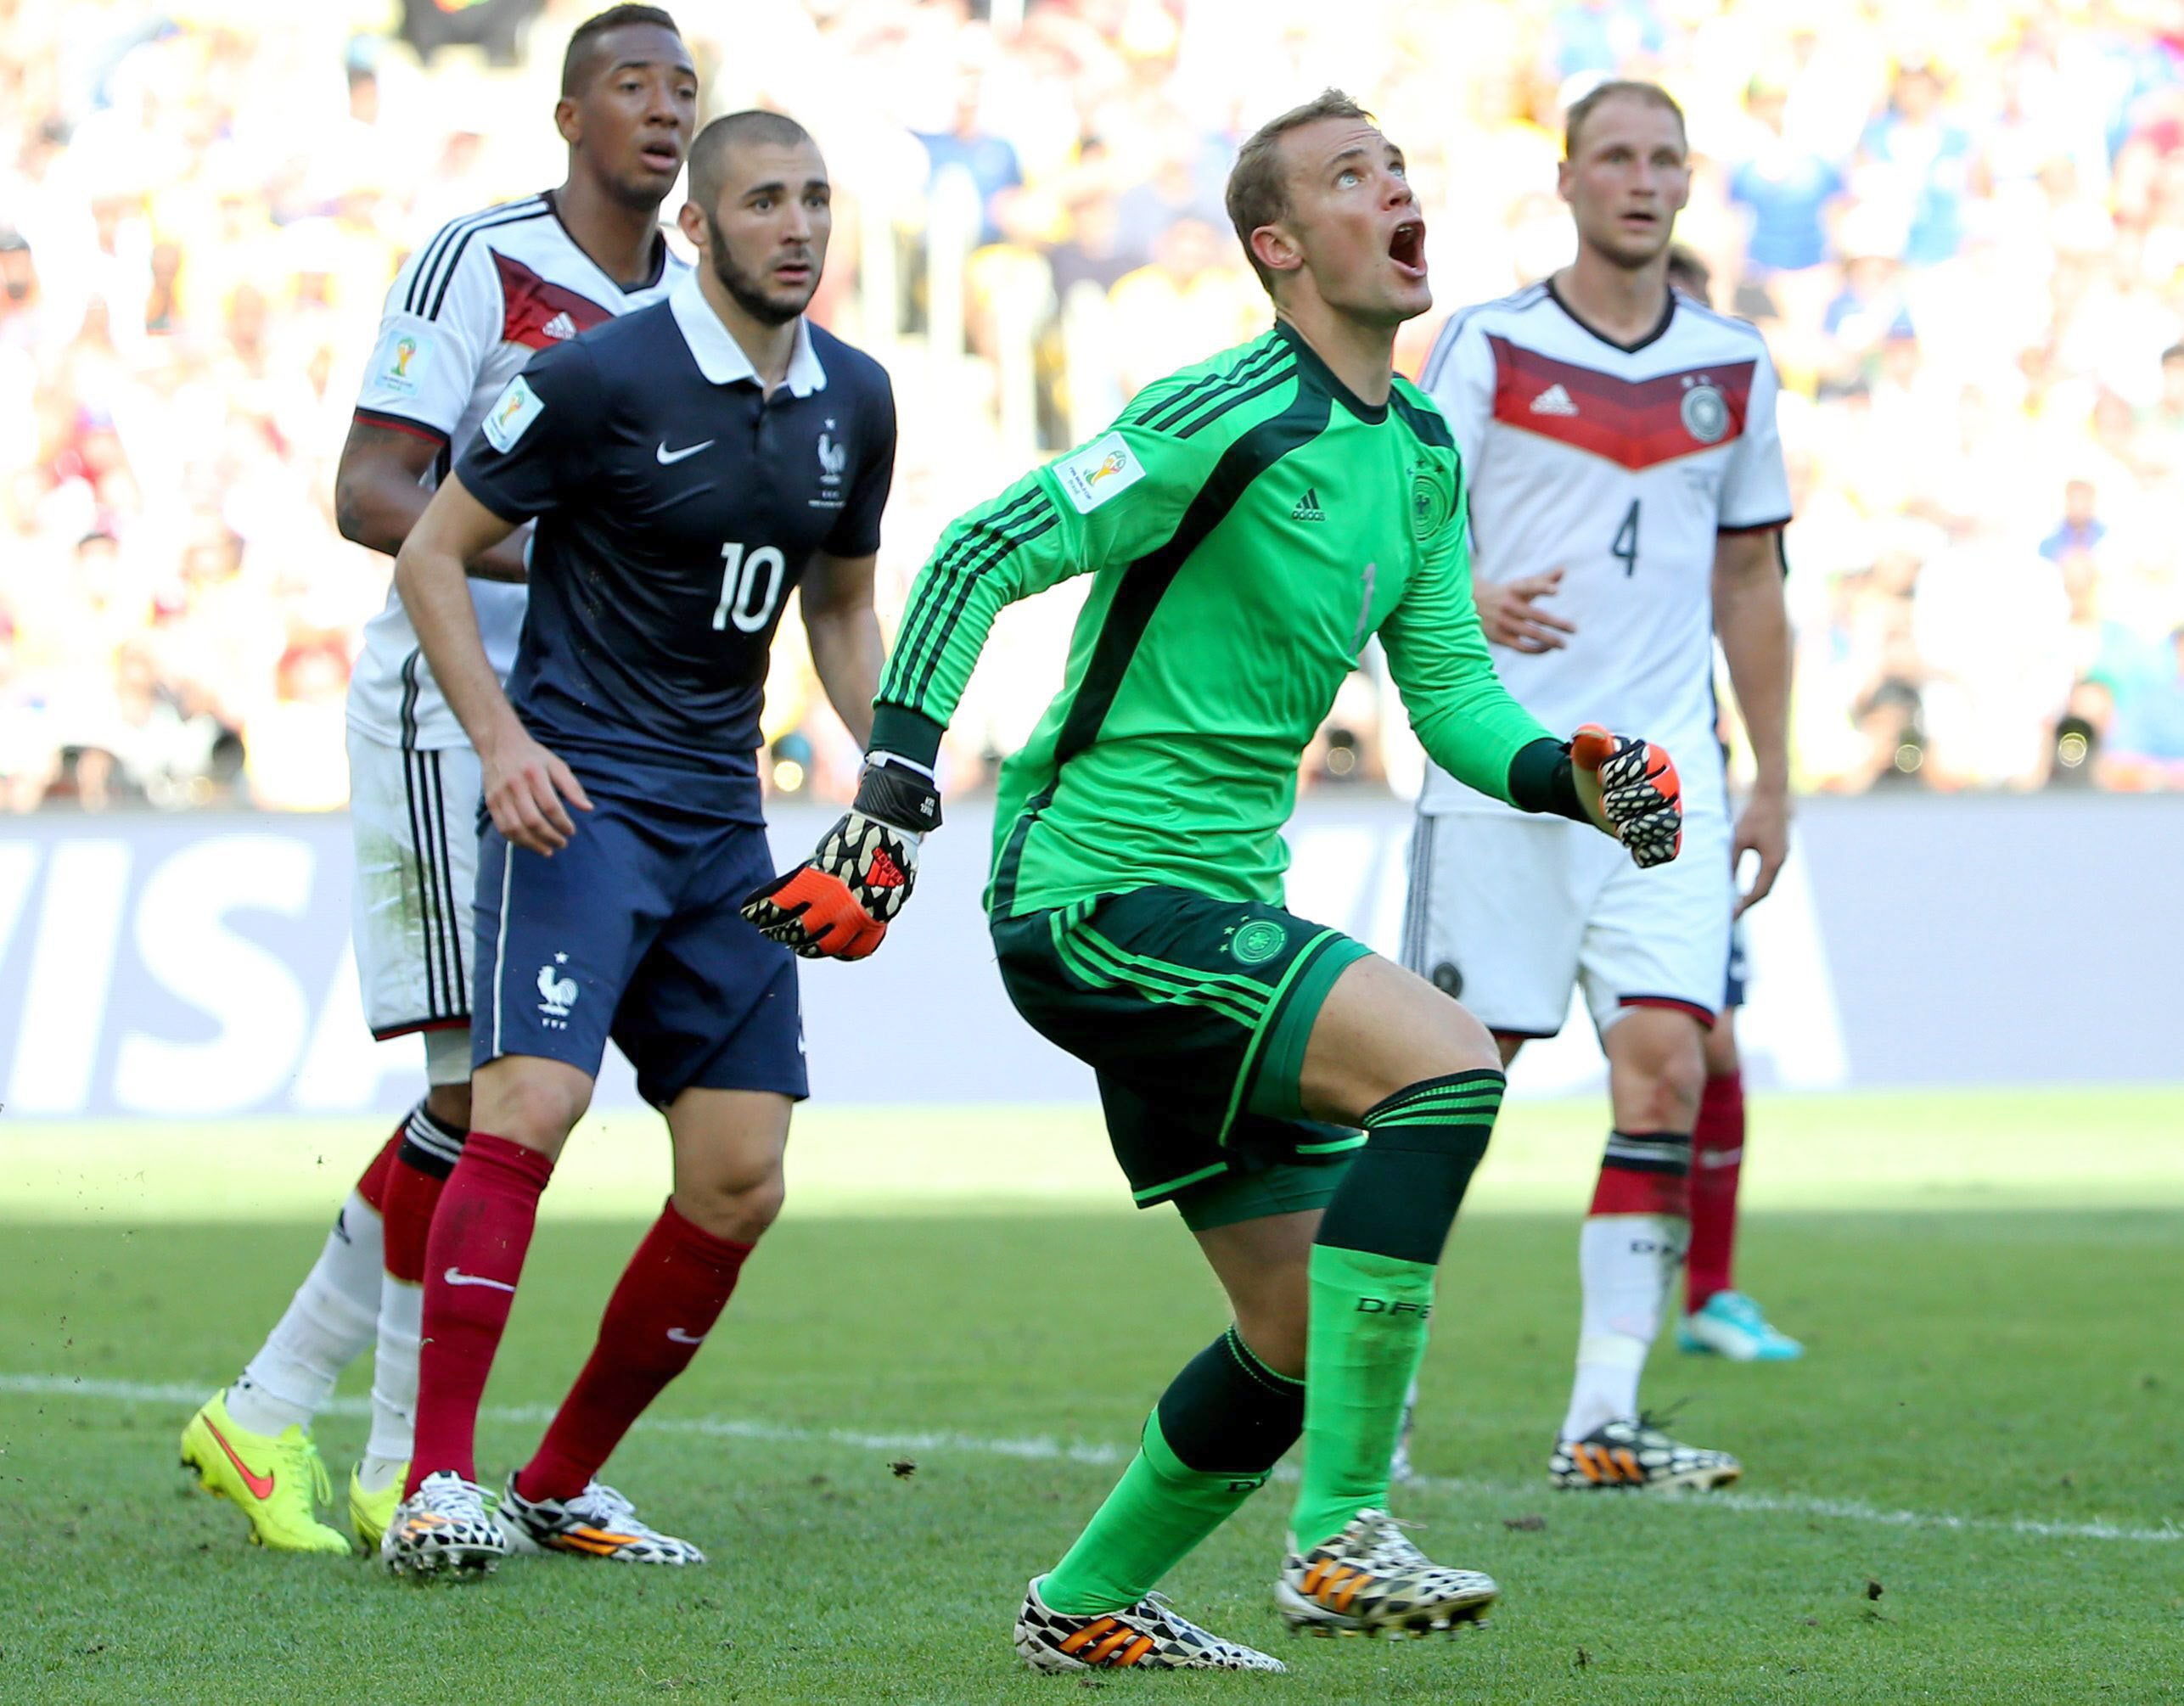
(1373, 1288)
(1210, 1444)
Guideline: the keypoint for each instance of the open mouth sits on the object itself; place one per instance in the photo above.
(1407, 247)
(662, 156)
(797, 272)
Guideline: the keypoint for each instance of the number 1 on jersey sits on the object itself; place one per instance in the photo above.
(1624, 549)
(740, 580)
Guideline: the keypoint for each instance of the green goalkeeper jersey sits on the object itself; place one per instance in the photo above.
(1250, 523)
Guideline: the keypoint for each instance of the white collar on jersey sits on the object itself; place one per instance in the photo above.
(721, 358)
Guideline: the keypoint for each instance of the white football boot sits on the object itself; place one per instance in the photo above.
(1369, 1580)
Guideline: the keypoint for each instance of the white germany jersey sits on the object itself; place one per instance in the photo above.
(1619, 467)
(469, 309)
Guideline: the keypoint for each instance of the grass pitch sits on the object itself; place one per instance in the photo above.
(1971, 1491)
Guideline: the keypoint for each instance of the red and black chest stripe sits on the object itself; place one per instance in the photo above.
(1637, 424)
(538, 313)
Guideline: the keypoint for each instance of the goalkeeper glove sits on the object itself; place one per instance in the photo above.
(1629, 788)
(837, 904)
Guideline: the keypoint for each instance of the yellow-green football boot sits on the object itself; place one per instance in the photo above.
(277, 1479)
(370, 1513)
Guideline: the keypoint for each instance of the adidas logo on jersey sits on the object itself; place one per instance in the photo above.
(1308, 507)
(561, 326)
(1553, 401)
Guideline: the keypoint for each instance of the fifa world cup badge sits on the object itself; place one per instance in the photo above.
(403, 359)
(511, 416)
(1103, 469)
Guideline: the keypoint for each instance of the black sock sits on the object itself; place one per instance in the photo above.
(429, 1144)
(1228, 1413)
(1402, 1191)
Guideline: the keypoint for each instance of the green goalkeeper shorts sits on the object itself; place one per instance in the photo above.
(1194, 1013)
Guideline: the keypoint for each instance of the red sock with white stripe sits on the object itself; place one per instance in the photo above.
(670, 1295)
(1628, 1254)
(1717, 1162)
(473, 1260)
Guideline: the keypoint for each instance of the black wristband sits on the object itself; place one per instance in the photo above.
(898, 793)
(1542, 778)
(910, 733)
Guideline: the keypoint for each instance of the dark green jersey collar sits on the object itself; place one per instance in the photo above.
(1317, 372)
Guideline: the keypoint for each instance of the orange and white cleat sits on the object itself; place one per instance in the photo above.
(597, 1523)
(1370, 1580)
(1149, 1635)
(446, 1527)
(1637, 1456)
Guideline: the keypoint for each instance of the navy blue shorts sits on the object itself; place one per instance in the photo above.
(631, 931)
(1739, 969)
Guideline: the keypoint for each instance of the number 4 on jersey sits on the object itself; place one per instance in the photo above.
(1624, 549)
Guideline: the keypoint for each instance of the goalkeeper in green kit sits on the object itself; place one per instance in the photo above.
(1315, 1112)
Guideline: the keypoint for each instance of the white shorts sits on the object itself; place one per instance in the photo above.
(415, 817)
(1506, 912)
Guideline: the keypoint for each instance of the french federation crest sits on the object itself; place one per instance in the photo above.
(558, 993)
(1705, 411)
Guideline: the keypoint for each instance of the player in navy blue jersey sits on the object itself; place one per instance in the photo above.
(689, 466)
(474, 302)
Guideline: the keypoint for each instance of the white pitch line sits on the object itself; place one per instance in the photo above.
(1036, 1448)
(1041, 1449)
(1854, 1511)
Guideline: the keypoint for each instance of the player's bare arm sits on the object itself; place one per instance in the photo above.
(1753, 621)
(1512, 615)
(843, 630)
(524, 784)
(377, 495)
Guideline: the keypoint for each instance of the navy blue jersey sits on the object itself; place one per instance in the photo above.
(678, 507)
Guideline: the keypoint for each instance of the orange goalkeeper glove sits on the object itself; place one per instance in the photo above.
(1630, 790)
(837, 904)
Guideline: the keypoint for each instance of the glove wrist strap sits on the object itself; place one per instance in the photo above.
(898, 793)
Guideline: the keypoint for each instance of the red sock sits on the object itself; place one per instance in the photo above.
(670, 1295)
(372, 1183)
(472, 1262)
(1716, 1161)
(413, 1198)
(419, 1173)
(1644, 1173)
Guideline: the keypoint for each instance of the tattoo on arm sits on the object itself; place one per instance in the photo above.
(378, 491)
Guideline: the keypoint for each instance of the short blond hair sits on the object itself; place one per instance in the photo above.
(1258, 184)
(1653, 94)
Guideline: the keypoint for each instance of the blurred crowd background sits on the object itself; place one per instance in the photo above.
(1961, 226)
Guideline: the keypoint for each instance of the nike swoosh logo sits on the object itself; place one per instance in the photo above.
(667, 455)
(456, 1276)
(261, 1486)
(681, 1338)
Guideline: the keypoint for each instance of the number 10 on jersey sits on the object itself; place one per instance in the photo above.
(740, 576)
